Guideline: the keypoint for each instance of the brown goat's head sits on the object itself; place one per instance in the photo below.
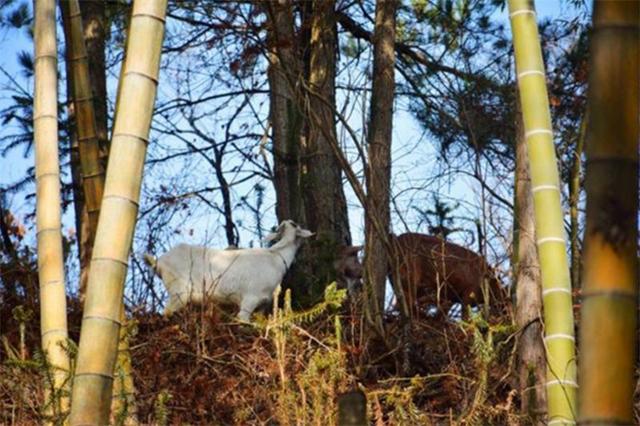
(349, 268)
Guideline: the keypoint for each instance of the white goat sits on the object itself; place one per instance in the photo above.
(246, 277)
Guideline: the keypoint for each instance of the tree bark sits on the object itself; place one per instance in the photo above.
(286, 118)
(574, 200)
(379, 152)
(324, 200)
(94, 28)
(532, 363)
(609, 326)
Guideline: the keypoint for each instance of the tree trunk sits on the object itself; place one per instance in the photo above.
(574, 200)
(379, 153)
(286, 117)
(93, 24)
(324, 200)
(53, 312)
(532, 363)
(287, 121)
(93, 380)
(608, 332)
(549, 226)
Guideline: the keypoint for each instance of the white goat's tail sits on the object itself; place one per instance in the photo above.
(150, 260)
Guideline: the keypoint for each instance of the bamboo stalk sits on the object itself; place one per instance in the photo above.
(608, 332)
(93, 187)
(551, 240)
(88, 145)
(93, 380)
(53, 311)
(123, 401)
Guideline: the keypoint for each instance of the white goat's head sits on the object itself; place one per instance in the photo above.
(287, 232)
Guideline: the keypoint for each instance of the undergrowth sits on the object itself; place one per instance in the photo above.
(201, 366)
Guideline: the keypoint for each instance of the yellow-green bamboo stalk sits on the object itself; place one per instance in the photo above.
(123, 404)
(608, 331)
(551, 241)
(93, 380)
(53, 308)
(123, 400)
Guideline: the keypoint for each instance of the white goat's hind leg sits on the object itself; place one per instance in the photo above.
(247, 306)
(173, 304)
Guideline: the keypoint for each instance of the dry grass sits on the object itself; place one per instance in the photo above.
(201, 367)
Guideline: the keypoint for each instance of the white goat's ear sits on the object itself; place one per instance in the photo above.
(271, 237)
(275, 234)
(304, 233)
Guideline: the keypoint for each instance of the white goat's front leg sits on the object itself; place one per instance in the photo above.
(247, 306)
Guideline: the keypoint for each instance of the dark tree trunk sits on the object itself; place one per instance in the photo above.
(324, 200)
(286, 117)
(532, 365)
(379, 152)
(94, 22)
(574, 213)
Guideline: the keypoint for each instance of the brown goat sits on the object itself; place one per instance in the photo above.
(434, 272)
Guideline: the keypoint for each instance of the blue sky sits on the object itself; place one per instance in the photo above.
(409, 157)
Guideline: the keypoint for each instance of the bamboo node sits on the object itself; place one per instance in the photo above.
(105, 376)
(559, 382)
(561, 422)
(533, 132)
(93, 175)
(85, 139)
(62, 331)
(559, 336)
(101, 318)
(83, 57)
(153, 79)
(522, 12)
(41, 116)
(109, 259)
(149, 15)
(113, 196)
(44, 56)
(44, 175)
(545, 188)
(50, 229)
(550, 240)
(84, 99)
(556, 290)
(51, 282)
(131, 135)
(530, 72)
